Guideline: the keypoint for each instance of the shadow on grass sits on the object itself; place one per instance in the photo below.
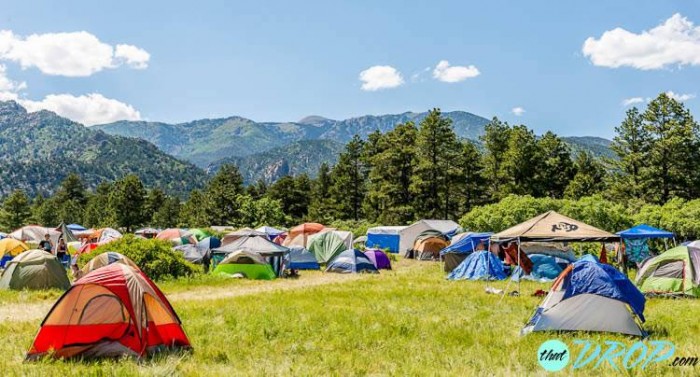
(161, 355)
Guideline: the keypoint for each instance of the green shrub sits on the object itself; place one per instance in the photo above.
(156, 258)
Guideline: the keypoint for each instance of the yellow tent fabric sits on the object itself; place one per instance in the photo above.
(12, 247)
(554, 227)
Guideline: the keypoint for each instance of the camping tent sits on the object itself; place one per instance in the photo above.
(33, 234)
(379, 259)
(427, 245)
(674, 272)
(122, 312)
(176, 236)
(359, 241)
(67, 233)
(34, 269)
(271, 232)
(103, 235)
(147, 232)
(351, 261)
(246, 263)
(410, 233)
(10, 248)
(241, 233)
(326, 245)
(554, 227)
(590, 296)
(105, 259)
(385, 237)
(302, 232)
(273, 252)
(479, 265)
(198, 234)
(301, 259)
(461, 246)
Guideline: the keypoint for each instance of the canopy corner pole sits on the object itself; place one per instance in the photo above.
(519, 266)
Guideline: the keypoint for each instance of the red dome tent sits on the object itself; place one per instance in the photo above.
(112, 311)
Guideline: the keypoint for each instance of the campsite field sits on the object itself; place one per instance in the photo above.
(409, 321)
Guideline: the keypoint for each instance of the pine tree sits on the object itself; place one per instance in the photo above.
(521, 164)
(557, 166)
(15, 211)
(435, 170)
(632, 145)
(154, 201)
(495, 140)
(471, 183)
(320, 204)
(221, 205)
(98, 210)
(389, 199)
(168, 214)
(348, 178)
(128, 200)
(294, 195)
(673, 160)
(194, 213)
(589, 178)
(72, 188)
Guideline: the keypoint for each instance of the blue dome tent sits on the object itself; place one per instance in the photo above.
(480, 265)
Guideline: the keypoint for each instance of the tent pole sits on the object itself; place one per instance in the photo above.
(519, 265)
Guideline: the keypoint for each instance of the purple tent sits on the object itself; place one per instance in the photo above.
(380, 260)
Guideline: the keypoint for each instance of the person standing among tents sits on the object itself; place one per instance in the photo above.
(46, 244)
(61, 251)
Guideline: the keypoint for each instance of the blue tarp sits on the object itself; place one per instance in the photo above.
(604, 280)
(467, 244)
(480, 265)
(645, 231)
(351, 261)
(301, 259)
(76, 227)
(383, 241)
(544, 268)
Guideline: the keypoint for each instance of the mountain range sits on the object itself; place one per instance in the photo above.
(204, 142)
(38, 150)
(270, 150)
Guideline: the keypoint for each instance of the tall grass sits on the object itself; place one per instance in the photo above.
(409, 321)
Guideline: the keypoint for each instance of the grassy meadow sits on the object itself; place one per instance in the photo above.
(409, 321)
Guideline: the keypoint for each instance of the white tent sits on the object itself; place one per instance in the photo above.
(33, 234)
(408, 234)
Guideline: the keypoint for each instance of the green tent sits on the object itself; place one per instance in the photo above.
(247, 263)
(675, 272)
(34, 269)
(199, 234)
(327, 246)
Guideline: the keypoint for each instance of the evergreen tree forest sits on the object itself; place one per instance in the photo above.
(424, 170)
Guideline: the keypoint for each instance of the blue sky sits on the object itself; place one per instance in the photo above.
(281, 60)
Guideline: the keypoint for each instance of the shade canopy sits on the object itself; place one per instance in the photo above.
(467, 243)
(645, 231)
(552, 226)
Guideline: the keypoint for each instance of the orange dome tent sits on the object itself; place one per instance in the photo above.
(303, 231)
(111, 312)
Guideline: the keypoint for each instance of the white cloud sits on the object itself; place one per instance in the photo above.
(518, 111)
(446, 73)
(680, 97)
(380, 77)
(88, 109)
(674, 42)
(632, 101)
(8, 85)
(134, 56)
(71, 54)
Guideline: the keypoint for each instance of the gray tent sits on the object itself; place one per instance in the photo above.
(34, 269)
